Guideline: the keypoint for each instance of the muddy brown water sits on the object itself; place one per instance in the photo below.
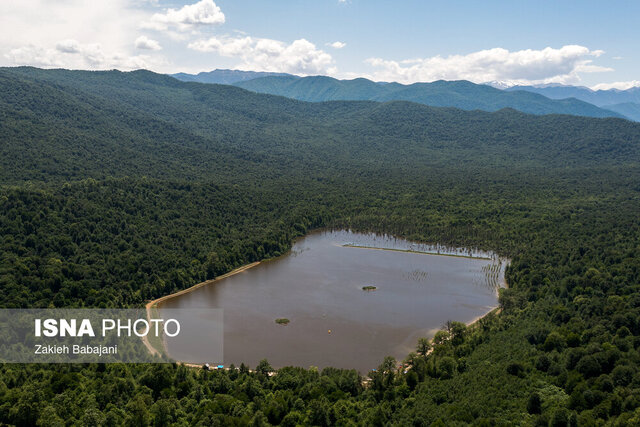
(318, 286)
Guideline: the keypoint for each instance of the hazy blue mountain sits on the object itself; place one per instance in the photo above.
(226, 77)
(600, 98)
(630, 110)
(460, 94)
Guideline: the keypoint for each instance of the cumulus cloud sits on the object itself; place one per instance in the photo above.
(298, 57)
(528, 66)
(205, 12)
(617, 85)
(144, 42)
(99, 34)
(72, 54)
(68, 46)
(337, 45)
(73, 34)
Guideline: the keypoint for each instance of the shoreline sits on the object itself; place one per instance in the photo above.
(470, 324)
(496, 310)
(473, 322)
(157, 301)
(154, 303)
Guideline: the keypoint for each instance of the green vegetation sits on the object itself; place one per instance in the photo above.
(369, 288)
(283, 321)
(117, 188)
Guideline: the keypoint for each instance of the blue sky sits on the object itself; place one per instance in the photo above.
(572, 42)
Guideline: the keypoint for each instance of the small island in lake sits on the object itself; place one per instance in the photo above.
(369, 288)
(282, 321)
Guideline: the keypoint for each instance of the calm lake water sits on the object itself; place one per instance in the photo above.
(318, 287)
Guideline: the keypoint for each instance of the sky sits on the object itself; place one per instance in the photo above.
(576, 42)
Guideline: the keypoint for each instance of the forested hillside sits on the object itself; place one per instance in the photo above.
(121, 187)
(99, 124)
(460, 94)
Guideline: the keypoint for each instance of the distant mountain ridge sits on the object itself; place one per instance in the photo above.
(630, 110)
(625, 102)
(225, 77)
(595, 97)
(459, 94)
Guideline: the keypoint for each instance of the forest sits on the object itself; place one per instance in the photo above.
(117, 188)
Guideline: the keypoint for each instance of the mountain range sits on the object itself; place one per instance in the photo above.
(625, 102)
(596, 97)
(552, 99)
(60, 124)
(224, 77)
(459, 94)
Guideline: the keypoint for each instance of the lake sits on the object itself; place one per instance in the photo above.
(318, 287)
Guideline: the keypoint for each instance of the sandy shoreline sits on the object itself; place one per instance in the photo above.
(201, 284)
(154, 303)
(151, 304)
(495, 310)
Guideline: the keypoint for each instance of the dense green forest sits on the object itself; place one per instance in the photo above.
(121, 187)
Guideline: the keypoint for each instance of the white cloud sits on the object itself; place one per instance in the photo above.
(42, 22)
(617, 85)
(71, 54)
(98, 34)
(337, 45)
(68, 46)
(72, 34)
(528, 66)
(298, 57)
(144, 42)
(205, 12)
